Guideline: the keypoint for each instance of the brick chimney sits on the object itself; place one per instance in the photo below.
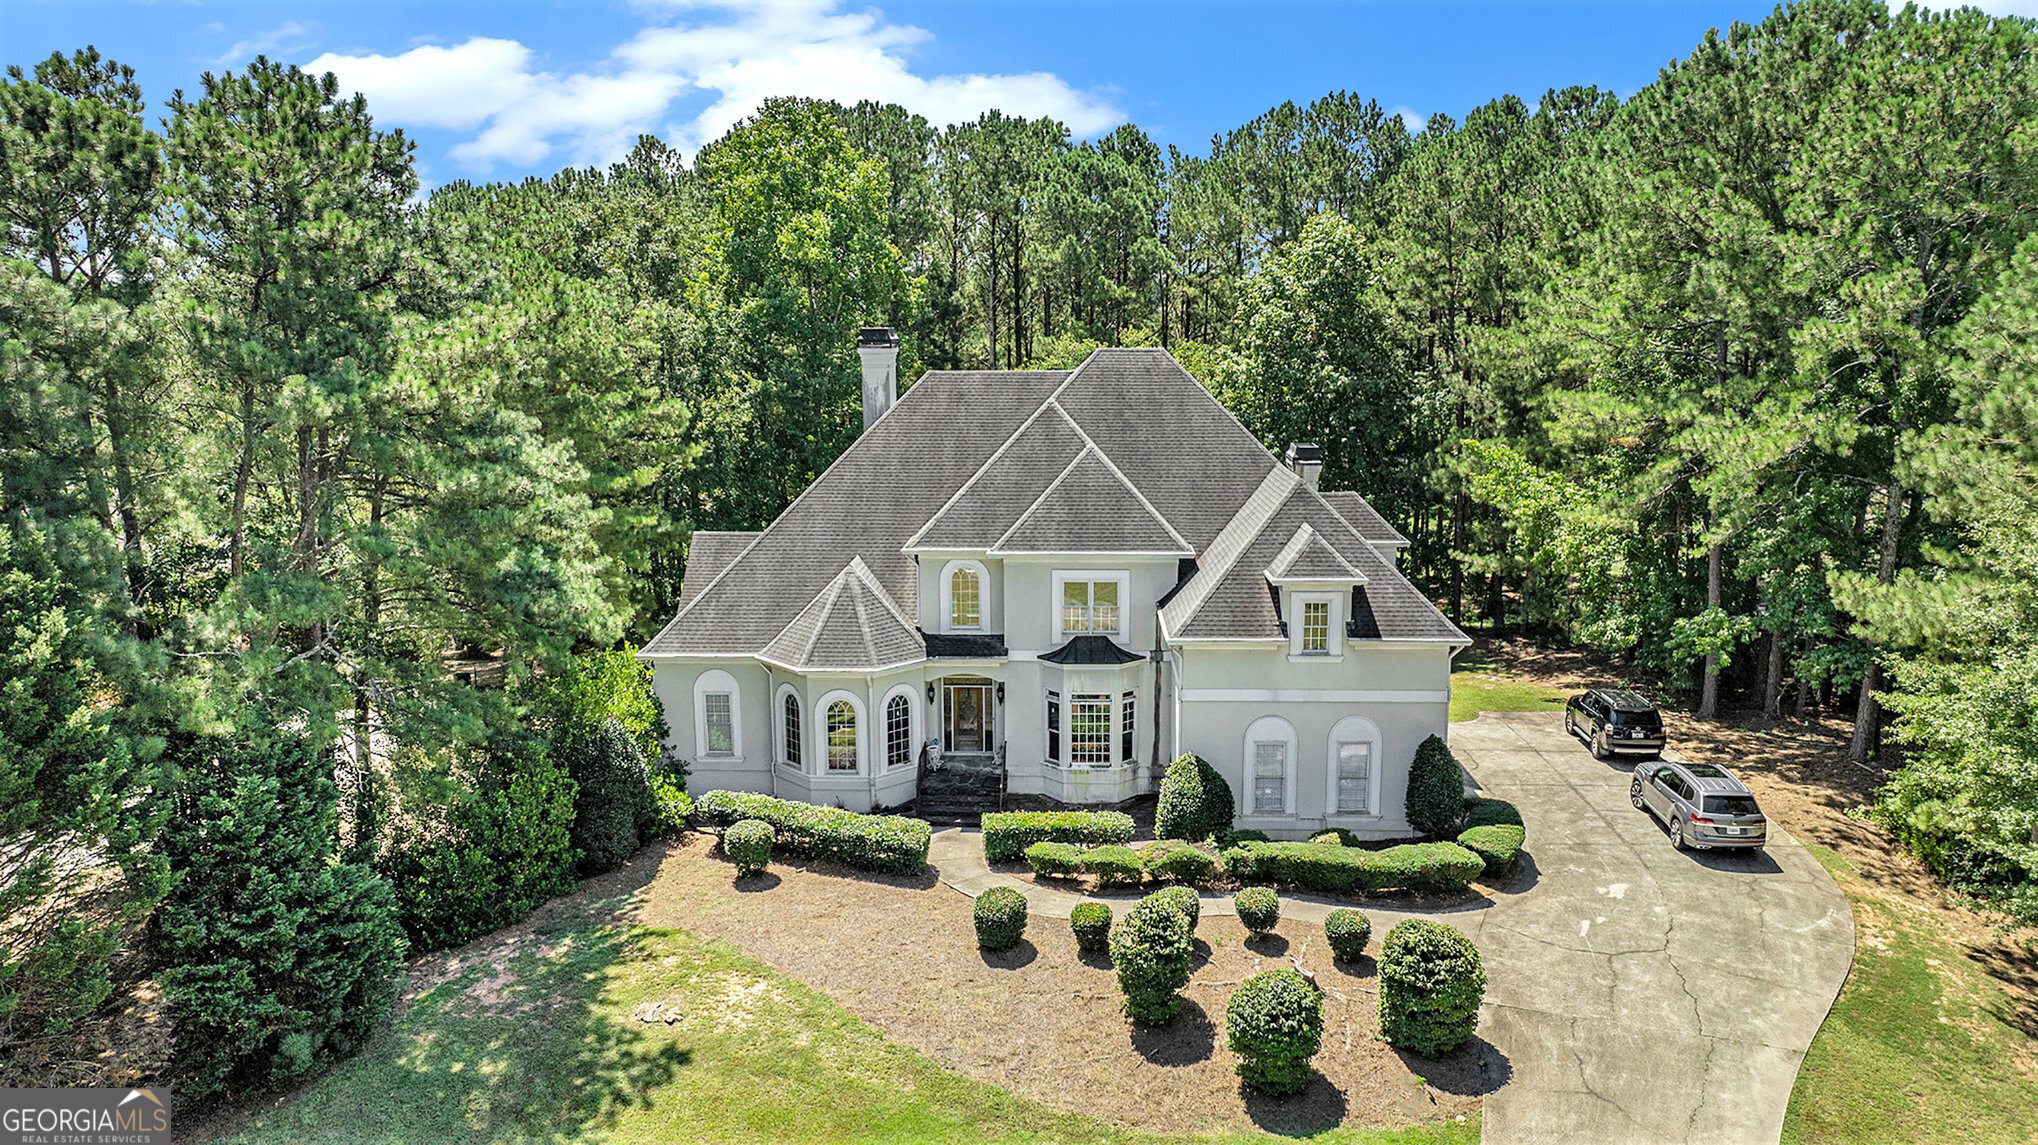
(878, 346)
(1305, 458)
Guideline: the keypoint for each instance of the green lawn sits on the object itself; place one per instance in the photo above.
(1474, 691)
(1917, 1047)
(551, 1049)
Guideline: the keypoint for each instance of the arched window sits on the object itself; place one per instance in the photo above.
(898, 731)
(792, 728)
(1355, 767)
(718, 715)
(841, 736)
(1270, 766)
(962, 594)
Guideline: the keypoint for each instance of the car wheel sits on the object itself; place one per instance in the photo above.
(1635, 796)
(1676, 834)
(1570, 725)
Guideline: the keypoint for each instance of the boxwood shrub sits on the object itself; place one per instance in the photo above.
(1000, 916)
(1481, 812)
(1347, 931)
(1336, 869)
(1337, 836)
(1007, 834)
(1231, 839)
(1151, 952)
(1274, 1023)
(1054, 860)
(1113, 866)
(1182, 899)
(1091, 922)
(1431, 982)
(1259, 908)
(1436, 790)
(748, 845)
(1496, 844)
(1195, 801)
(1174, 861)
(892, 844)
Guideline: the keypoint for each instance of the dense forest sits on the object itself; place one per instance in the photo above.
(331, 509)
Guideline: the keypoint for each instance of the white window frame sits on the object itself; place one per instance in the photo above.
(911, 695)
(1121, 577)
(1128, 725)
(716, 682)
(1354, 729)
(1109, 743)
(1270, 729)
(778, 728)
(1055, 727)
(823, 756)
(1336, 646)
(948, 572)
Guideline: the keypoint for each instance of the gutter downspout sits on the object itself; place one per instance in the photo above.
(771, 717)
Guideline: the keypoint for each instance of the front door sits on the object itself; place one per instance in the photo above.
(967, 718)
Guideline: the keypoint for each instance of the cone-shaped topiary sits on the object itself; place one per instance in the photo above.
(1274, 1023)
(748, 845)
(1000, 915)
(1150, 951)
(1436, 790)
(1259, 908)
(1092, 923)
(1431, 982)
(1195, 801)
(1347, 932)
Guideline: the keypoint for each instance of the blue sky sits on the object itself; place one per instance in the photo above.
(505, 88)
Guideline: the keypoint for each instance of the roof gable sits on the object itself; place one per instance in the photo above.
(1010, 481)
(850, 625)
(1091, 508)
(1307, 556)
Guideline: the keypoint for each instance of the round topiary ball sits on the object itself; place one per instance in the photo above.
(748, 845)
(1259, 908)
(1000, 915)
(1274, 1023)
(1092, 923)
(1431, 982)
(1182, 899)
(1347, 932)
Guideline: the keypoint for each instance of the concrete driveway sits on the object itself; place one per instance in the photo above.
(1640, 993)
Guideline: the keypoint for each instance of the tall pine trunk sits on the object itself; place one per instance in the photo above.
(1867, 742)
(1709, 687)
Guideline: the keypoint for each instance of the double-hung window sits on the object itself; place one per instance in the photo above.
(1089, 607)
(720, 718)
(1316, 626)
(1270, 777)
(1354, 778)
(1090, 729)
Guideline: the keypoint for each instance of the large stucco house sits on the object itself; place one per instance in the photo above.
(1068, 578)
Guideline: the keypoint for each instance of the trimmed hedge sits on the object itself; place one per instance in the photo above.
(1091, 922)
(1259, 908)
(748, 845)
(1347, 932)
(1323, 867)
(1182, 899)
(1436, 790)
(1487, 812)
(1000, 916)
(1431, 982)
(1151, 952)
(1496, 844)
(1230, 839)
(1274, 1023)
(1007, 834)
(1337, 836)
(1174, 861)
(1055, 860)
(892, 844)
(1195, 801)
(1113, 865)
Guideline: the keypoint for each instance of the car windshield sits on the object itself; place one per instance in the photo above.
(1732, 805)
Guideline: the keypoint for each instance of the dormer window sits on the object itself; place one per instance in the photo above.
(1316, 626)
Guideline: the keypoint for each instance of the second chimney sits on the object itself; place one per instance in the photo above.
(878, 346)
(1306, 459)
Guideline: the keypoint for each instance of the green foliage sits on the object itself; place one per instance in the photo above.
(1113, 865)
(1195, 802)
(1000, 916)
(1431, 983)
(1274, 1023)
(1259, 909)
(1150, 950)
(1496, 844)
(612, 801)
(670, 805)
(1055, 860)
(1091, 922)
(891, 844)
(1183, 899)
(484, 855)
(747, 843)
(1007, 834)
(1347, 932)
(1174, 861)
(1436, 789)
(1336, 837)
(277, 957)
(1230, 839)
(595, 688)
(1426, 867)
(1483, 812)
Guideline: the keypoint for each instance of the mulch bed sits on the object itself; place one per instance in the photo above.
(1045, 1021)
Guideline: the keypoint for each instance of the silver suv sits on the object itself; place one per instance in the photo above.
(1703, 805)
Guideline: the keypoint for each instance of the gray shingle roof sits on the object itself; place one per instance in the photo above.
(987, 504)
(849, 626)
(1091, 508)
(1362, 516)
(1308, 556)
(707, 554)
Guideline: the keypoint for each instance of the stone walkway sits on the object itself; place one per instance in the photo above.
(1637, 993)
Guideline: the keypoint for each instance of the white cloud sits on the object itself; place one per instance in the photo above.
(289, 36)
(740, 52)
(2008, 7)
(1409, 119)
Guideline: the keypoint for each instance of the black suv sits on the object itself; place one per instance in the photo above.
(1615, 723)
